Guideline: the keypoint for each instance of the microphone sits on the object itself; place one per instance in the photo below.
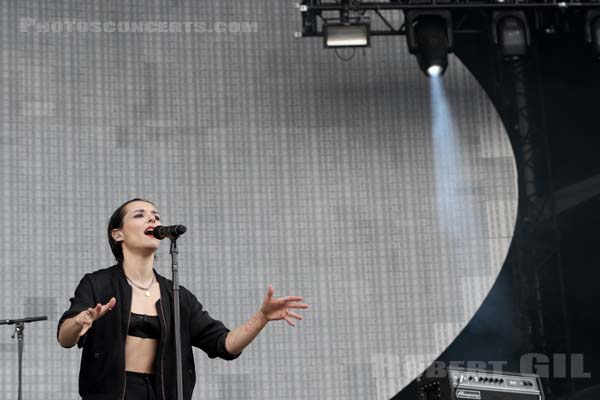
(171, 232)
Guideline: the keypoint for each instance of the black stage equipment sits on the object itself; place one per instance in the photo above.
(463, 384)
(429, 37)
(592, 31)
(514, 23)
(20, 332)
(510, 31)
(172, 232)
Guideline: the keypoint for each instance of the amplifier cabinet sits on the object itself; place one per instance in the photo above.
(464, 384)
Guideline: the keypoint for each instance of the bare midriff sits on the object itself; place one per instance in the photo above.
(140, 354)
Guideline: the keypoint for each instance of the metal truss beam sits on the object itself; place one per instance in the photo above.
(317, 12)
(358, 6)
(538, 269)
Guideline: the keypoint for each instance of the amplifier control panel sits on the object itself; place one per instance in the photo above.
(493, 381)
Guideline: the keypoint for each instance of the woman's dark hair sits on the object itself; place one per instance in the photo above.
(116, 222)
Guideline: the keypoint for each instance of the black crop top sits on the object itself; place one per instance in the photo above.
(144, 326)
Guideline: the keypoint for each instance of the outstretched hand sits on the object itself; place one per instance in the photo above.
(274, 309)
(86, 318)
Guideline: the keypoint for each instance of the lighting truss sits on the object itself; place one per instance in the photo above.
(387, 20)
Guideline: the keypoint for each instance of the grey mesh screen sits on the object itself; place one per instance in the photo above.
(344, 182)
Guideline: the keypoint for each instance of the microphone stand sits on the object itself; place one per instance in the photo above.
(177, 317)
(20, 332)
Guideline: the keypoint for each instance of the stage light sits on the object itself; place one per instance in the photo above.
(511, 33)
(346, 35)
(592, 31)
(429, 38)
(435, 70)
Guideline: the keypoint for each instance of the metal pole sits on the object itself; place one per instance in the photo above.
(177, 318)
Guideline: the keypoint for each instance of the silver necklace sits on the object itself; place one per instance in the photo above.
(145, 289)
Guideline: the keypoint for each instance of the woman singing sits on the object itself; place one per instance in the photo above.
(122, 317)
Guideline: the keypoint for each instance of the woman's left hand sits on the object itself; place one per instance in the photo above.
(274, 309)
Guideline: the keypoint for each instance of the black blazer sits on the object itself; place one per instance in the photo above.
(102, 372)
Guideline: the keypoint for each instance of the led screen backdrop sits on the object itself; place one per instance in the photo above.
(386, 199)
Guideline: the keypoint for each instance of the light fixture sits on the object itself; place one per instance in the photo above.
(346, 35)
(592, 30)
(429, 38)
(435, 71)
(511, 33)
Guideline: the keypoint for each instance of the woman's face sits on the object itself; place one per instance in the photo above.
(136, 233)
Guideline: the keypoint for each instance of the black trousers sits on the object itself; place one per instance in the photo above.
(140, 386)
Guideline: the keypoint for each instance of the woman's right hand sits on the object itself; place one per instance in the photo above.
(86, 318)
